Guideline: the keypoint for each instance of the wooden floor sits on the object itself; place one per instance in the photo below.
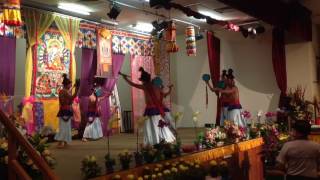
(69, 159)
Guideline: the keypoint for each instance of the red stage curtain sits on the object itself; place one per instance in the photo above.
(279, 61)
(213, 44)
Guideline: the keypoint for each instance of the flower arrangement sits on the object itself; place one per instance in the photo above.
(149, 153)
(125, 158)
(234, 132)
(41, 146)
(214, 137)
(246, 115)
(90, 167)
(195, 116)
(177, 117)
(269, 116)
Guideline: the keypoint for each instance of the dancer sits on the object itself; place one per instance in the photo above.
(93, 129)
(65, 113)
(157, 81)
(224, 97)
(153, 134)
(232, 93)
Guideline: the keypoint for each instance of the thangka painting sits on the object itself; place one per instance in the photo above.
(87, 38)
(52, 61)
(104, 54)
(131, 44)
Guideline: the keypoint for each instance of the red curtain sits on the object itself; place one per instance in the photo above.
(279, 62)
(213, 44)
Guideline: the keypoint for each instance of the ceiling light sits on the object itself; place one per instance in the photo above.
(212, 14)
(143, 27)
(76, 8)
(114, 12)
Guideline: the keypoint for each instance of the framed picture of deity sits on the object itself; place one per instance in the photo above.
(51, 61)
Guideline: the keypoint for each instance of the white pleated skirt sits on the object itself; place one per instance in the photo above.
(154, 134)
(235, 116)
(64, 133)
(93, 130)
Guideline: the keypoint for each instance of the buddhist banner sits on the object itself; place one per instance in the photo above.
(104, 65)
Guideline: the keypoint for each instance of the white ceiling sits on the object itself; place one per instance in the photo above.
(130, 16)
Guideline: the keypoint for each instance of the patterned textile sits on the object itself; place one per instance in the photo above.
(138, 103)
(52, 61)
(87, 37)
(126, 43)
(164, 74)
(38, 116)
(11, 31)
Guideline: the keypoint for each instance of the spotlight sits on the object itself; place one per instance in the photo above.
(159, 3)
(114, 12)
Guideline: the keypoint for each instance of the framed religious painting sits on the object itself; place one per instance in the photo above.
(104, 54)
(51, 61)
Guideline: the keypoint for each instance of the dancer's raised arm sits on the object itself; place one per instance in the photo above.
(125, 77)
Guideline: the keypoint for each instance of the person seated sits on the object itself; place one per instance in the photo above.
(300, 158)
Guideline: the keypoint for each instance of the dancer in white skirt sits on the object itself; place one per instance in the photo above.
(155, 128)
(93, 130)
(65, 113)
(234, 106)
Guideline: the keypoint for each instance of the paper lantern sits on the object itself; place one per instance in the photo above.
(171, 38)
(11, 13)
(191, 41)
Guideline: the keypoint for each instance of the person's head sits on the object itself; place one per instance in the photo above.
(230, 78)
(66, 82)
(98, 81)
(145, 77)
(301, 129)
(224, 75)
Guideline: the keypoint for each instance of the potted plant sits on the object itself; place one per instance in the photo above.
(125, 158)
(90, 167)
(109, 163)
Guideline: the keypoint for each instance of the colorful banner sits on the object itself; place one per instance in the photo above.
(87, 37)
(11, 31)
(52, 60)
(104, 53)
(128, 43)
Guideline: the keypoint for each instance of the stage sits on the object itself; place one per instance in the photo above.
(69, 159)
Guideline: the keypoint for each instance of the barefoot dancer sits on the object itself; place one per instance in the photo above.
(65, 113)
(154, 110)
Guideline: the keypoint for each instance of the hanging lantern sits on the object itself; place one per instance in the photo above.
(11, 13)
(191, 41)
(171, 36)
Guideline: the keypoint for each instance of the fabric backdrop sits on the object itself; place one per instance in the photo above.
(279, 61)
(213, 44)
(7, 65)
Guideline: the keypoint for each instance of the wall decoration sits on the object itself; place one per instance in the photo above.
(87, 37)
(52, 60)
(104, 54)
(11, 13)
(191, 41)
(172, 46)
(128, 43)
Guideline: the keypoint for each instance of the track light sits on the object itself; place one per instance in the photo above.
(158, 3)
(114, 12)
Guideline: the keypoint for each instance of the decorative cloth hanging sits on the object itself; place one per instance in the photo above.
(11, 13)
(172, 47)
(104, 64)
(191, 41)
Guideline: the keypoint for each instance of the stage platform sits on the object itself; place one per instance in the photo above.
(69, 159)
